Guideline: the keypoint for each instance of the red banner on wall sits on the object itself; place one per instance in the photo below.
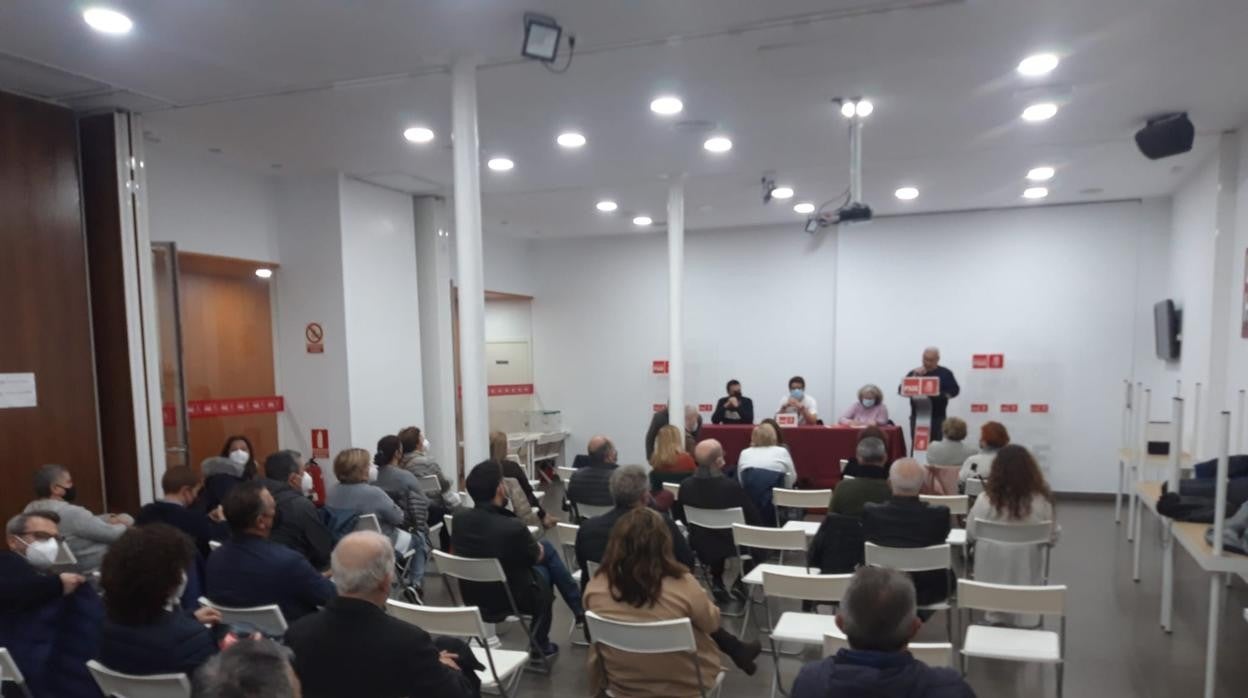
(518, 389)
(979, 361)
(706, 407)
(1039, 408)
(660, 367)
(225, 407)
(659, 406)
(979, 407)
(1009, 407)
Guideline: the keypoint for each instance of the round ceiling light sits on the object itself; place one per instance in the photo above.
(864, 108)
(107, 21)
(606, 206)
(847, 109)
(570, 139)
(1038, 64)
(264, 273)
(718, 144)
(782, 193)
(667, 105)
(643, 221)
(1040, 112)
(418, 134)
(907, 193)
(500, 164)
(1041, 174)
(804, 207)
(1035, 192)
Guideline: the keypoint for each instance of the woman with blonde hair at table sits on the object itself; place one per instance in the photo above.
(869, 410)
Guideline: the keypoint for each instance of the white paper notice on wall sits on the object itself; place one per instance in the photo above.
(17, 390)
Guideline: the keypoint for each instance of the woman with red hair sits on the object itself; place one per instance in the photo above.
(992, 438)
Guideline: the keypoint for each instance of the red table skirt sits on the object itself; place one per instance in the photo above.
(817, 451)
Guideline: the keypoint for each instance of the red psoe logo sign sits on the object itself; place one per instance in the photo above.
(978, 407)
(706, 407)
(1039, 408)
(996, 361)
(979, 361)
(1009, 407)
(660, 367)
(922, 437)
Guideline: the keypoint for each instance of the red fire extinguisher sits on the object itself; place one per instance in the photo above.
(318, 483)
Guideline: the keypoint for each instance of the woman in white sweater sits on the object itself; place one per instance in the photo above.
(1015, 493)
(763, 467)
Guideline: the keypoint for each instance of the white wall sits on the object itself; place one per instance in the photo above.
(382, 311)
(209, 207)
(508, 266)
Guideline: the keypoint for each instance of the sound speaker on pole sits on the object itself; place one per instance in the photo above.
(1165, 136)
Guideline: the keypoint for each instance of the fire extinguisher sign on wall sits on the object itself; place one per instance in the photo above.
(320, 443)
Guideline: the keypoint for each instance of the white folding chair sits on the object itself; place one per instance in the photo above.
(446, 521)
(490, 571)
(657, 637)
(267, 619)
(589, 511)
(504, 666)
(10, 672)
(974, 486)
(673, 487)
(801, 628)
(935, 654)
(799, 499)
(763, 538)
(714, 519)
(1021, 535)
(565, 534)
(118, 685)
(958, 504)
(429, 484)
(1014, 644)
(368, 522)
(933, 557)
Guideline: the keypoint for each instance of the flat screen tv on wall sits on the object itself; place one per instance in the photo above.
(1166, 328)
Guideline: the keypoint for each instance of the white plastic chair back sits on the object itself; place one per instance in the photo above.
(656, 637)
(113, 683)
(214, 544)
(673, 487)
(459, 621)
(934, 654)
(801, 499)
(589, 511)
(10, 672)
(959, 504)
(472, 569)
(566, 534)
(807, 587)
(974, 486)
(933, 557)
(368, 522)
(565, 474)
(268, 619)
(714, 518)
(844, 464)
(429, 484)
(1010, 598)
(1019, 534)
(768, 538)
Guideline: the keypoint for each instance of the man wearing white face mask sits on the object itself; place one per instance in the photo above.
(298, 524)
(87, 535)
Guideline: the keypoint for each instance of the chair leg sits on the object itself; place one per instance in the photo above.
(1060, 667)
(775, 658)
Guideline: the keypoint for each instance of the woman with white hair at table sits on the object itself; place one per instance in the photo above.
(869, 410)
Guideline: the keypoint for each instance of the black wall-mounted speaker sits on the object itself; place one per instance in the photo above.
(1165, 136)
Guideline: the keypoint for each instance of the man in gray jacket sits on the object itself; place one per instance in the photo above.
(298, 524)
(87, 535)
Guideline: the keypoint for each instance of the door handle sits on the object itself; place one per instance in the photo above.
(176, 449)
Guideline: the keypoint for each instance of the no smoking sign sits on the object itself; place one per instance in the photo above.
(315, 335)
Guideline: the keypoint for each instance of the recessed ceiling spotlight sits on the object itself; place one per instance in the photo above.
(718, 144)
(864, 108)
(264, 273)
(570, 139)
(500, 164)
(907, 193)
(782, 193)
(847, 109)
(1035, 192)
(606, 205)
(1042, 111)
(667, 105)
(418, 134)
(1041, 174)
(643, 220)
(107, 21)
(804, 207)
(1038, 64)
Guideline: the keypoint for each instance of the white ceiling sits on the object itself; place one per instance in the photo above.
(317, 85)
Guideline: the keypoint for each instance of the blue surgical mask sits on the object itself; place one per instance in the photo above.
(868, 402)
(797, 393)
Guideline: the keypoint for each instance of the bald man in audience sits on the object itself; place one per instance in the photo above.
(591, 484)
(387, 657)
(906, 522)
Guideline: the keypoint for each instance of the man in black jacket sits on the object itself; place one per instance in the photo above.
(629, 487)
(589, 485)
(733, 409)
(181, 485)
(299, 525)
(353, 648)
(940, 402)
(906, 522)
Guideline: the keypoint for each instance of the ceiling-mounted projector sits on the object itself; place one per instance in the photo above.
(851, 213)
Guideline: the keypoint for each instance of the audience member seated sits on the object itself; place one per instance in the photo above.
(734, 408)
(992, 438)
(416, 460)
(240, 452)
(640, 581)
(707, 488)
(403, 487)
(87, 535)
(869, 410)
(355, 494)
(775, 426)
(904, 521)
(878, 617)
(870, 484)
(669, 456)
(852, 468)
(220, 476)
(49, 622)
(693, 425)
(1015, 493)
(352, 648)
(589, 484)
(490, 531)
(251, 570)
(799, 403)
(145, 631)
(945, 458)
(520, 494)
(763, 467)
(628, 492)
(837, 547)
(299, 525)
(248, 669)
(181, 485)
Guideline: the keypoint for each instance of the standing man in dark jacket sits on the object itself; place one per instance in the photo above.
(940, 402)
(387, 657)
(877, 616)
(906, 522)
(181, 485)
(735, 408)
(299, 525)
(589, 485)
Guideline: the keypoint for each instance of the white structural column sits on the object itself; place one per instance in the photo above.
(676, 302)
(433, 273)
(469, 262)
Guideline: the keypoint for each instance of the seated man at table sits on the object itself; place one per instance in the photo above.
(869, 485)
(735, 408)
(799, 403)
(904, 521)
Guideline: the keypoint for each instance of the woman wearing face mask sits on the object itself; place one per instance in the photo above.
(239, 450)
(868, 411)
(145, 633)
